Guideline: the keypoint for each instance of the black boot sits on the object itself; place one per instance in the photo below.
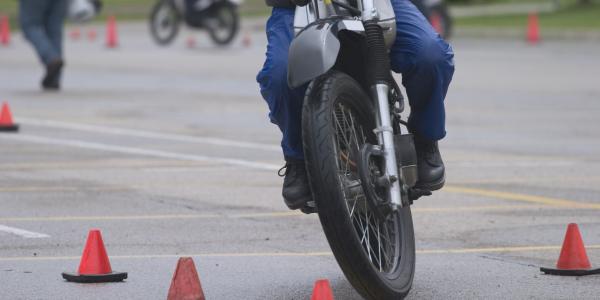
(296, 191)
(53, 73)
(430, 165)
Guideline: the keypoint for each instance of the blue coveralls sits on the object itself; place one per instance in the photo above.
(425, 60)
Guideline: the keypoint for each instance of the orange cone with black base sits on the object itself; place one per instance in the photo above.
(4, 31)
(94, 265)
(186, 283)
(6, 120)
(533, 29)
(322, 290)
(573, 260)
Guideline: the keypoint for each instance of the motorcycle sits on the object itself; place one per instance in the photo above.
(436, 11)
(219, 17)
(360, 158)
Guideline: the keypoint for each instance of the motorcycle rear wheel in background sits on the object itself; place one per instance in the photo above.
(377, 254)
(165, 21)
(223, 23)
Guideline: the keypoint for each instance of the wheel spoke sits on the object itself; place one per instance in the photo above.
(377, 239)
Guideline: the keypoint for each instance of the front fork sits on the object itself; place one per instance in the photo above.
(385, 137)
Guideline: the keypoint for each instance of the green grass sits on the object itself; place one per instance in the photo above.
(568, 17)
(136, 9)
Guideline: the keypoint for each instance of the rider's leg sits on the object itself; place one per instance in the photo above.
(285, 105)
(426, 62)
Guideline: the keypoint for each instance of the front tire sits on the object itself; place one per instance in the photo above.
(337, 119)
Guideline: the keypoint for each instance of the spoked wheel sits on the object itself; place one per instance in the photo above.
(224, 23)
(164, 22)
(377, 254)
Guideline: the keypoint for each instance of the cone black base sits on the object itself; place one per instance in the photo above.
(9, 128)
(91, 278)
(582, 272)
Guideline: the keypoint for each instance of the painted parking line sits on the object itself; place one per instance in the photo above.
(23, 233)
(139, 163)
(281, 214)
(143, 152)
(303, 254)
(522, 197)
(271, 167)
(150, 134)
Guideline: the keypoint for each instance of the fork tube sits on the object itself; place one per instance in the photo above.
(369, 12)
(385, 134)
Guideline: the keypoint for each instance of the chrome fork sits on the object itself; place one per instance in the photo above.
(385, 136)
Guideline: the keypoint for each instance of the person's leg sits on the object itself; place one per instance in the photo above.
(426, 62)
(54, 24)
(31, 17)
(285, 106)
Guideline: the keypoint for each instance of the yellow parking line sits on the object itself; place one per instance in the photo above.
(302, 254)
(417, 209)
(252, 215)
(521, 197)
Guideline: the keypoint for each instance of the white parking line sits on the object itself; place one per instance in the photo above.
(23, 233)
(143, 152)
(149, 134)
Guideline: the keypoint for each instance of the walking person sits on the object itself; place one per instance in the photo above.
(42, 22)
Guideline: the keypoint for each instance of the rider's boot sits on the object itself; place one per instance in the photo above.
(430, 165)
(296, 190)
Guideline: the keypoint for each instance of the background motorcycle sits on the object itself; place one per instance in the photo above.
(436, 11)
(219, 17)
(361, 166)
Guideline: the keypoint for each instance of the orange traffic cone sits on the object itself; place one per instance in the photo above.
(75, 34)
(94, 265)
(191, 42)
(247, 40)
(6, 120)
(111, 33)
(573, 260)
(533, 29)
(185, 283)
(92, 35)
(322, 290)
(436, 22)
(4, 31)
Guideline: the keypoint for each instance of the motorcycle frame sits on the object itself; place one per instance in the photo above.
(327, 40)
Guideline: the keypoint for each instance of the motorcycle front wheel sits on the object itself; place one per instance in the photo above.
(223, 24)
(164, 22)
(376, 255)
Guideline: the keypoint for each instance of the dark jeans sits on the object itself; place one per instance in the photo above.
(42, 24)
(425, 60)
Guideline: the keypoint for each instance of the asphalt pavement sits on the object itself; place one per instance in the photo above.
(170, 153)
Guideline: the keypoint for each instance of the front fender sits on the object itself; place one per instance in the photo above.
(315, 49)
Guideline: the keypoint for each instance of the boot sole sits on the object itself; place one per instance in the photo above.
(432, 186)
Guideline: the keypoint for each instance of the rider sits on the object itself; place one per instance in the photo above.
(425, 61)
